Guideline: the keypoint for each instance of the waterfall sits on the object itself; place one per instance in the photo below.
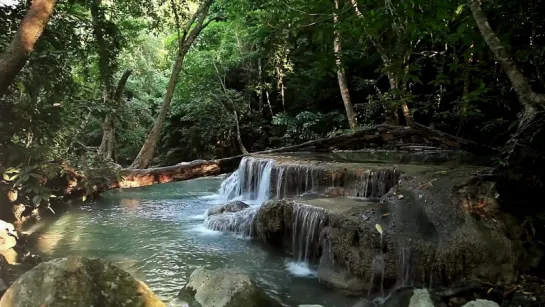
(240, 223)
(308, 223)
(250, 183)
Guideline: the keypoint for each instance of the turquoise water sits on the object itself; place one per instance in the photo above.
(156, 234)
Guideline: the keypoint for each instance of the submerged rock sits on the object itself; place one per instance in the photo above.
(223, 288)
(234, 206)
(481, 303)
(78, 282)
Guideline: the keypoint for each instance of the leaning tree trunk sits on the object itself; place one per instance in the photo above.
(343, 84)
(145, 156)
(16, 55)
(526, 96)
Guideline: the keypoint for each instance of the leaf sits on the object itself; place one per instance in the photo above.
(386, 214)
(36, 199)
(489, 290)
(6, 177)
(400, 196)
(379, 228)
(52, 196)
(459, 9)
(83, 198)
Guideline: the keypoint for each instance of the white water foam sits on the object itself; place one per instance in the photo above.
(300, 269)
(201, 229)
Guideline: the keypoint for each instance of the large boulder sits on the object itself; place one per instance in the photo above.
(481, 303)
(223, 288)
(234, 206)
(78, 282)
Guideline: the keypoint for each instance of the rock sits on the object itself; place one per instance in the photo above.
(3, 287)
(234, 206)
(434, 232)
(8, 240)
(223, 288)
(342, 280)
(10, 255)
(78, 282)
(363, 303)
(481, 303)
(408, 297)
(420, 298)
(8, 236)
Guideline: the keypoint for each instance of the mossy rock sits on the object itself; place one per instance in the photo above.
(78, 282)
(223, 288)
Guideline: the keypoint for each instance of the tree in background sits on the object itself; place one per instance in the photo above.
(196, 23)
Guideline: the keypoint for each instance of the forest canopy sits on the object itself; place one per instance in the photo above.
(144, 83)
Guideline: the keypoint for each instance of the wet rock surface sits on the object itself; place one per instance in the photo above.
(78, 281)
(440, 227)
(223, 288)
(231, 207)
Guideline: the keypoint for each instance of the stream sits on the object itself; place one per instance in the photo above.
(156, 233)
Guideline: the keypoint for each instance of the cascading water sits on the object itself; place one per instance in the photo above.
(250, 184)
(308, 223)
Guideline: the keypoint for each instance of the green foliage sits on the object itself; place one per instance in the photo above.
(307, 126)
(276, 61)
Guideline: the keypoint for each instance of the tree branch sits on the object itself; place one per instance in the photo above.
(121, 85)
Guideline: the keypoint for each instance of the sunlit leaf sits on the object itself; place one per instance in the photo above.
(459, 9)
(379, 228)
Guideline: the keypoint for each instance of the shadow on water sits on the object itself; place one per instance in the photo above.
(157, 234)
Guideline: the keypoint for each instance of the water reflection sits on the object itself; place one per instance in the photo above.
(130, 204)
(156, 234)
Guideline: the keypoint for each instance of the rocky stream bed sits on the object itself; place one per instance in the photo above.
(378, 226)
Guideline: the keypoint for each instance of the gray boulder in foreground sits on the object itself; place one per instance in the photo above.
(481, 303)
(78, 282)
(223, 288)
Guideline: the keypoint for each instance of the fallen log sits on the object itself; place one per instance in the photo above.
(380, 135)
(71, 184)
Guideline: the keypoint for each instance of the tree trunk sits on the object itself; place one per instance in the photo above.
(147, 151)
(528, 98)
(17, 53)
(107, 145)
(343, 85)
(269, 102)
(261, 85)
(238, 135)
(106, 148)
